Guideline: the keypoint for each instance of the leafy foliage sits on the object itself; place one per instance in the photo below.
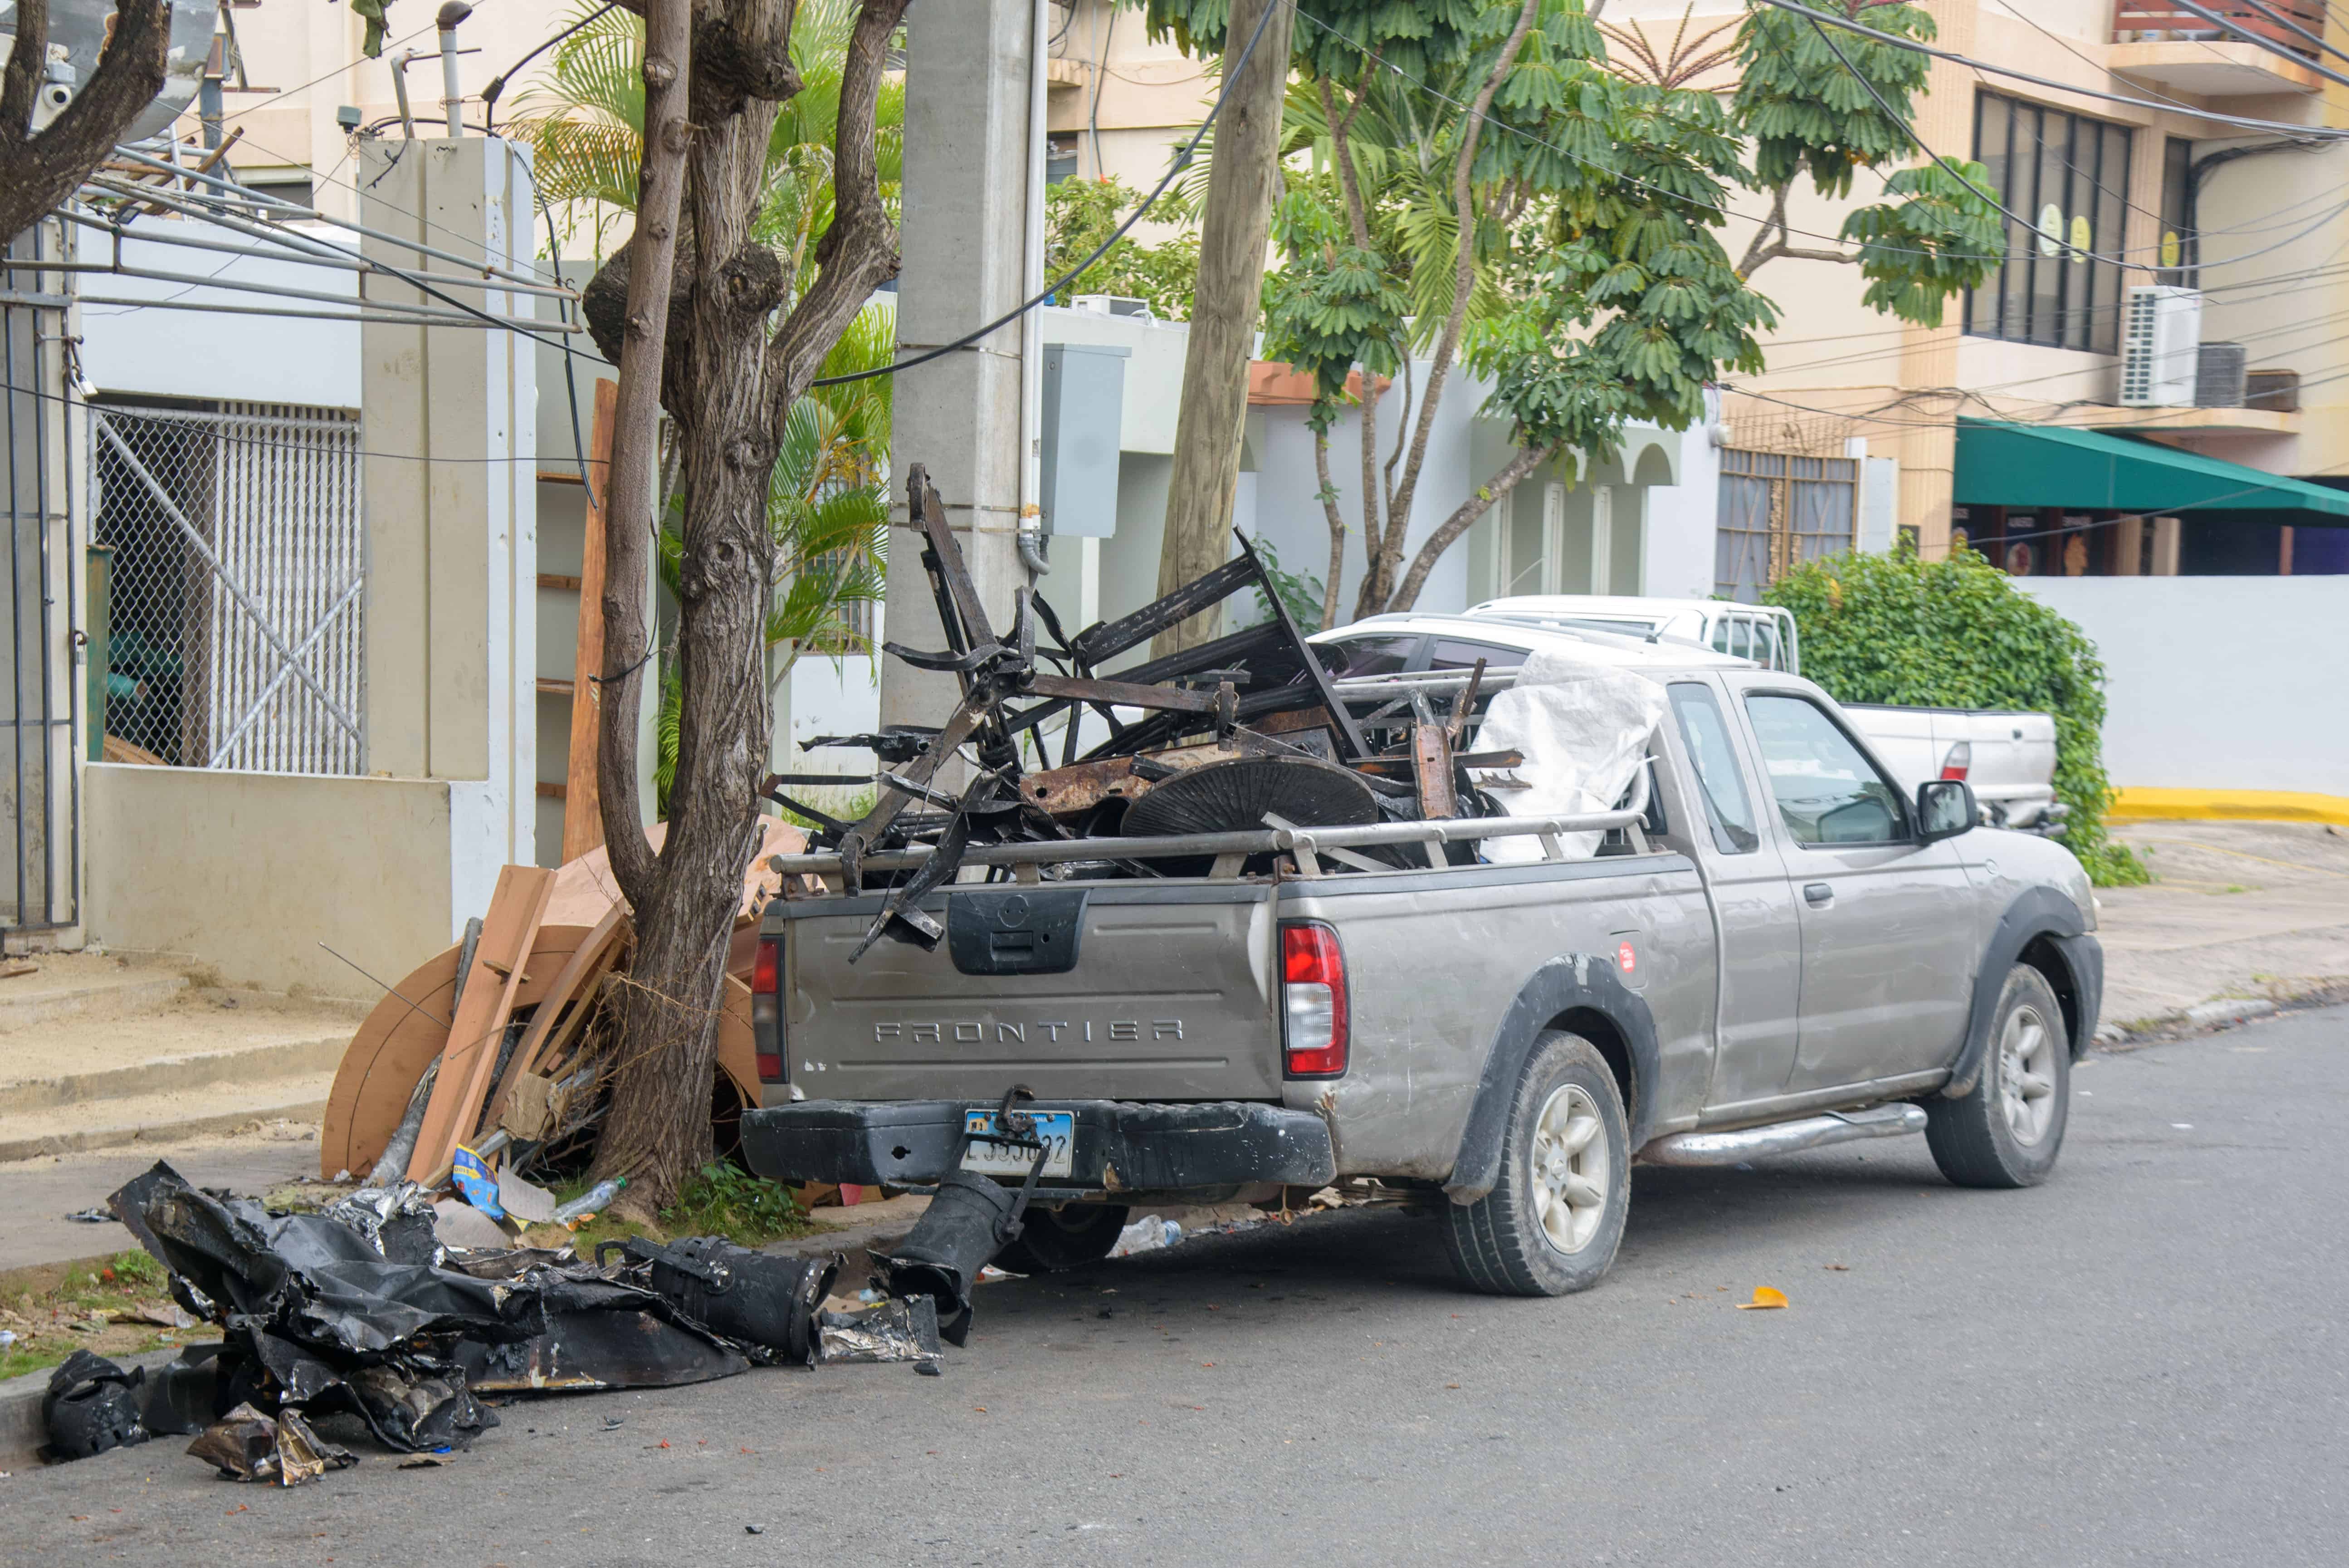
(585, 123)
(1958, 633)
(1333, 305)
(1080, 214)
(1301, 592)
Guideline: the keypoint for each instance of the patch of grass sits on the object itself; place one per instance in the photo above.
(80, 1311)
(723, 1200)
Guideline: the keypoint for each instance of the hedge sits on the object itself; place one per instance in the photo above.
(1958, 633)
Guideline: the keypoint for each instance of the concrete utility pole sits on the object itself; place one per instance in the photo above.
(1232, 235)
(963, 239)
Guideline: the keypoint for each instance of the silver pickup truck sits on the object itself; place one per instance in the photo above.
(1775, 947)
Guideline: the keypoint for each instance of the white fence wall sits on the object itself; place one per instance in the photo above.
(2218, 682)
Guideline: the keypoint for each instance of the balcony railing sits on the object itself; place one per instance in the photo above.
(2159, 21)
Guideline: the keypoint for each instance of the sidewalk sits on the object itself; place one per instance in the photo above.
(2237, 910)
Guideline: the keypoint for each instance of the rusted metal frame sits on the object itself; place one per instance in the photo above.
(1168, 698)
(1104, 640)
(960, 610)
(903, 902)
(1431, 755)
(1464, 705)
(976, 704)
(1349, 735)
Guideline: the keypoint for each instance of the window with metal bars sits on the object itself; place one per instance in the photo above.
(2068, 175)
(1777, 511)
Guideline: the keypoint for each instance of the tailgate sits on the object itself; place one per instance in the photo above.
(1170, 995)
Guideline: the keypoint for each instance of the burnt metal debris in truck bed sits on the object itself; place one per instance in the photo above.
(1241, 732)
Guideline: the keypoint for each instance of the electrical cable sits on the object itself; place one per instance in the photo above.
(498, 83)
(570, 378)
(1175, 167)
(278, 98)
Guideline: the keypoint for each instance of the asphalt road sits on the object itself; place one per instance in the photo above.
(2141, 1362)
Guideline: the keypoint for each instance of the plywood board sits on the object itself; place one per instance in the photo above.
(467, 1067)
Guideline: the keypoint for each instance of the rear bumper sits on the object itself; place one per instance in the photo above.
(1120, 1147)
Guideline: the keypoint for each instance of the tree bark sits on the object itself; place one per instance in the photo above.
(1337, 520)
(732, 378)
(1389, 556)
(639, 1136)
(38, 171)
(1357, 220)
(1209, 423)
(1448, 532)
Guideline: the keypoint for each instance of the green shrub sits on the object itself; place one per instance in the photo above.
(1958, 633)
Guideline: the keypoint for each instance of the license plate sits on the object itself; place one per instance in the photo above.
(1057, 1130)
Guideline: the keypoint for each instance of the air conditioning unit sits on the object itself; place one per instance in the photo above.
(2219, 376)
(2161, 340)
(1113, 304)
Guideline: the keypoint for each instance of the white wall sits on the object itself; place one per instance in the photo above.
(204, 354)
(2217, 682)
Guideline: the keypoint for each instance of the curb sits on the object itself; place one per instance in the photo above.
(40, 1007)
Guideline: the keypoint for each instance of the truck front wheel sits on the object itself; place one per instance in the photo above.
(1551, 1223)
(1053, 1239)
(2008, 1131)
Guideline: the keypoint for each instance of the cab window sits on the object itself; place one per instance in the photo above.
(1827, 791)
(1706, 732)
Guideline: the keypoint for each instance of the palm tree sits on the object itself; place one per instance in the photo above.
(827, 505)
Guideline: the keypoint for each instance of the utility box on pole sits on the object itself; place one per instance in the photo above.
(1084, 410)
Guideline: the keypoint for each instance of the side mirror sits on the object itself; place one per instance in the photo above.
(1945, 809)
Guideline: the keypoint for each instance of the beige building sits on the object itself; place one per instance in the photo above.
(2117, 195)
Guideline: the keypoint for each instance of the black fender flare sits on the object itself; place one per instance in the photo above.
(2036, 913)
(1561, 985)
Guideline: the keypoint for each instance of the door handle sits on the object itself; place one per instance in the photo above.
(1818, 892)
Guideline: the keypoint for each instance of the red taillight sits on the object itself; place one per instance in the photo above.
(1960, 758)
(767, 1012)
(1313, 1001)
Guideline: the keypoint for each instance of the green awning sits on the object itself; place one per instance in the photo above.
(2003, 464)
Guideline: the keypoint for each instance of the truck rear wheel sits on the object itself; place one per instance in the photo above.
(1054, 1239)
(2009, 1130)
(1551, 1223)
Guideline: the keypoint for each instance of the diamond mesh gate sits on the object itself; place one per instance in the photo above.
(238, 581)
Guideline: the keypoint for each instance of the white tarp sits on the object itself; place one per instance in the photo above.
(1583, 728)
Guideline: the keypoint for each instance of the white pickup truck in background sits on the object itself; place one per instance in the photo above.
(2009, 758)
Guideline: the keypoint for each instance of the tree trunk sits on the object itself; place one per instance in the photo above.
(1447, 345)
(638, 1137)
(729, 388)
(1336, 521)
(1447, 533)
(1232, 238)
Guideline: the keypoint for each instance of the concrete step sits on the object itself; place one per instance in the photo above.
(252, 1064)
(68, 985)
(163, 1115)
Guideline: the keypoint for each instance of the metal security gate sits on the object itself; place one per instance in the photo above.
(1777, 511)
(234, 634)
(41, 890)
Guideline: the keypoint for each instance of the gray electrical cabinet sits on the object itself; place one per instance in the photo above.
(1084, 407)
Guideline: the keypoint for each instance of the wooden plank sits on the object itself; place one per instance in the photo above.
(1431, 755)
(509, 931)
(576, 983)
(555, 686)
(583, 808)
(558, 580)
(391, 1051)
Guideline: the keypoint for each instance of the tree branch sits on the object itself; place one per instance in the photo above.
(859, 251)
(38, 171)
(1463, 285)
(636, 435)
(1479, 502)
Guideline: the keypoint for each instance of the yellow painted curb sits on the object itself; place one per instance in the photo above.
(2228, 805)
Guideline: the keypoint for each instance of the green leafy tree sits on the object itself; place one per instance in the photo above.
(1079, 215)
(1495, 189)
(1958, 633)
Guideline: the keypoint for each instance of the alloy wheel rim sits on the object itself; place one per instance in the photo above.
(1570, 1167)
(2026, 1076)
